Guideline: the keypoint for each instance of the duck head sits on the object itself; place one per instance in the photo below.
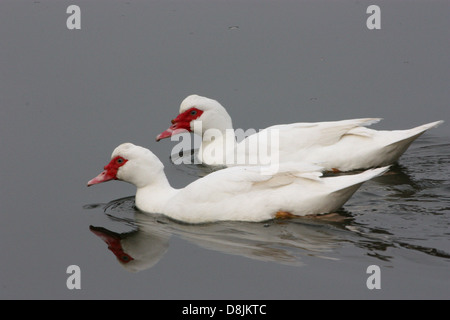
(132, 164)
(198, 114)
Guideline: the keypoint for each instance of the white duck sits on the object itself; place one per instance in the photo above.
(336, 145)
(239, 193)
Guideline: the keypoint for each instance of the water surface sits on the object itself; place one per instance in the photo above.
(69, 97)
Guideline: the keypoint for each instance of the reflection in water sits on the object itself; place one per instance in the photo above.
(415, 206)
(136, 250)
(278, 241)
(402, 209)
(281, 241)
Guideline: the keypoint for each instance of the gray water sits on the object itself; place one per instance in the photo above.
(69, 97)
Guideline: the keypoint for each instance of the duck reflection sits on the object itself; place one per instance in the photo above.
(281, 241)
(135, 250)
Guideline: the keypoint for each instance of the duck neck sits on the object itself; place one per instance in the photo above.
(216, 146)
(153, 197)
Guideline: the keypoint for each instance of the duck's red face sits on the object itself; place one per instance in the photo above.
(181, 123)
(109, 172)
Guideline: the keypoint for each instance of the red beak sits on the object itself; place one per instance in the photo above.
(102, 177)
(175, 128)
(165, 134)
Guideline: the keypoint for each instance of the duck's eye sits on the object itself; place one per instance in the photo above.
(193, 112)
(119, 160)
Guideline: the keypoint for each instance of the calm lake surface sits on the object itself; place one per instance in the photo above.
(69, 97)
